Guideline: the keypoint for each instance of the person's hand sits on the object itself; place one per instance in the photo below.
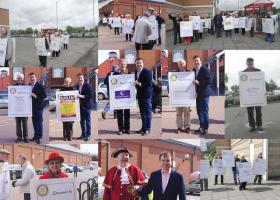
(195, 82)
(137, 187)
(80, 96)
(14, 183)
(34, 95)
(137, 83)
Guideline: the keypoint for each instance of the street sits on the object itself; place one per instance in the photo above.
(237, 125)
(108, 41)
(78, 52)
(8, 127)
(216, 114)
(56, 129)
(234, 42)
(82, 176)
(269, 190)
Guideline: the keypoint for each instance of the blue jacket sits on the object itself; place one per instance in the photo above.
(38, 103)
(87, 91)
(205, 81)
(144, 91)
(175, 187)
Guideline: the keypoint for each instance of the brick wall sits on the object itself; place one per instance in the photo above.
(4, 16)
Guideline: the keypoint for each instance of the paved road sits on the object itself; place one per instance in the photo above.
(56, 129)
(269, 190)
(77, 53)
(107, 40)
(8, 127)
(235, 42)
(237, 126)
(216, 129)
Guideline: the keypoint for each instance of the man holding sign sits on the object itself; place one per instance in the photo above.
(259, 168)
(42, 47)
(244, 169)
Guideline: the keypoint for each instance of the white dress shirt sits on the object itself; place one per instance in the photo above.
(124, 177)
(164, 179)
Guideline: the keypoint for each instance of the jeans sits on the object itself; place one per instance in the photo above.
(106, 108)
(202, 111)
(85, 122)
(145, 106)
(234, 172)
(269, 37)
(37, 120)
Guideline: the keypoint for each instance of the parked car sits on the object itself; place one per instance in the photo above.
(229, 98)
(42, 170)
(164, 87)
(80, 168)
(52, 103)
(88, 167)
(102, 91)
(3, 99)
(15, 171)
(66, 168)
(194, 185)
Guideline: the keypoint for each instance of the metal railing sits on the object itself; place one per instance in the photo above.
(88, 190)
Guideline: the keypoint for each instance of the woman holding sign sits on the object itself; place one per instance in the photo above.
(187, 40)
(42, 46)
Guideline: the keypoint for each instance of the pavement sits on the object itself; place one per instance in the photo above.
(237, 125)
(216, 114)
(79, 53)
(56, 130)
(108, 41)
(82, 176)
(237, 41)
(269, 190)
(8, 127)
(108, 128)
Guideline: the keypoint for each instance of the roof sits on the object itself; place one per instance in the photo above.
(181, 143)
(68, 147)
(260, 3)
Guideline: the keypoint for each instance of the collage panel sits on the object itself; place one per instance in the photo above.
(181, 158)
(193, 94)
(51, 171)
(130, 94)
(239, 169)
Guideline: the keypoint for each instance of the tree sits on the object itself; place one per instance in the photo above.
(36, 31)
(235, 88)
(271, 85)
(226, 81)
(29, 30)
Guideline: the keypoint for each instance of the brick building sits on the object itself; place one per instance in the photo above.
(4, 13)
(145, 151)
(37, 154)
(132, 7)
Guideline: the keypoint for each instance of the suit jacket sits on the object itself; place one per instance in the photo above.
(175, 186)
(87, 91)
(144, 91)
(205, 81)
(38, 103)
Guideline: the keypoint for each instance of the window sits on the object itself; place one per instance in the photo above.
(177, 54)
(58, 72)
(129, 56)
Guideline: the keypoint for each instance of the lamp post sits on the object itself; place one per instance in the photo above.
(56, 14)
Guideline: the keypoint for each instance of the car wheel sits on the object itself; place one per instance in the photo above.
(101, 96)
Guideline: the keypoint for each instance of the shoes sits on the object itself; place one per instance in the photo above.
(187, 130)
(86, 139)
(146, 133)
(70, 139)
(38, 141)
(204, 132)
(252, 129)
(179, 130)
(140, 131)
(103, 115)
(260, 128)
(18, 140)
(120, 133)
(33, 139)
(198, 130)
(26, 140)
(81, 137)
(127, 132)
(64, 138)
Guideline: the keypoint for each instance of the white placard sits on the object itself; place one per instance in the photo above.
(206, 23)
(40, 44)
(122, 91)
(67, 105)
(218, 167)
(181, 89)
(244, 170)
(186, 29)
(228, 158)
(55, 44)
(252, 89)
(128, 26)
(249, 22)
(117, 22)
(268, 25)
(196, 22)
(154, 27)
(104, 20)
(204, 169)
(228, 23)
(235, 22)
(54, 189)
(259, 167)
(242, 22)
(65, 39)
(3, 49)
(20, 101)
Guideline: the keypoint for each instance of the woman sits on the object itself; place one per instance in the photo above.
(54, 163)
(187, 40)
(67, 126)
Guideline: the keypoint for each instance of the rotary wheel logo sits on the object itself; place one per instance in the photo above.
(114, 81)
(42, 190)
(173, 77)
(13, 90)
(243, 77)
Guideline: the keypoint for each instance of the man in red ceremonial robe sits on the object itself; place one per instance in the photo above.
(120, 180)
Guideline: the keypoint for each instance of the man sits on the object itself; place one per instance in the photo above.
(195, 32)
(120, 180)
(28, 173)
(38, 105)
(258, 177)
(165, 183)
(142, 32)
(4, 174)
(86, 105)
(21, 122)
(218, 156)
(160, 21)
(269, 36)
(250, 110)
(182, 112)
(204, 181)
(243, 184)
(123, 115)
(218, 21)
(144, 87)
(9, 48)
(234, 169)
(203, 91)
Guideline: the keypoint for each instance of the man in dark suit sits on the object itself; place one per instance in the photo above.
(202, 83)
(144, 87)
(165, 183)
(86, 105)
(38, 105)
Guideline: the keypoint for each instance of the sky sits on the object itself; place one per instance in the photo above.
(266, 60)
(225, 5)
(89, 148)
(41, 14)
(195, 142)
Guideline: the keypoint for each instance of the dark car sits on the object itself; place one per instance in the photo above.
(15, 171)
(41, 171)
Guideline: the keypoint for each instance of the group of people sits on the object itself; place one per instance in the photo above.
(138, 30)
(129, 181)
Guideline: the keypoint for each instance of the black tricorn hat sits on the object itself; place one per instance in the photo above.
(120, 150)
